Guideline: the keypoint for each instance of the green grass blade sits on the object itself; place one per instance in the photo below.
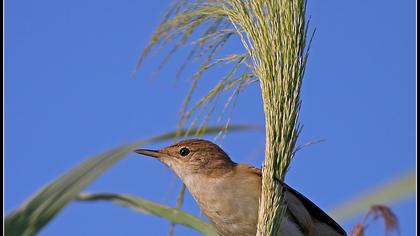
(145, 206)
(391, 193)
(44, 205)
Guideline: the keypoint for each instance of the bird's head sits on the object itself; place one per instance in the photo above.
(194, 156)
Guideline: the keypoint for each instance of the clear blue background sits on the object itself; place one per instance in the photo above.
(68, 96)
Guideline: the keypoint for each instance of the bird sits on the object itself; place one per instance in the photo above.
(228, 193)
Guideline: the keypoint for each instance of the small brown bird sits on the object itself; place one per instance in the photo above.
(228, 193)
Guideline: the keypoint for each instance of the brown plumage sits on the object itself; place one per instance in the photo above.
(228, 193)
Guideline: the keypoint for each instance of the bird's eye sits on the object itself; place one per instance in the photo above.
(184, 151)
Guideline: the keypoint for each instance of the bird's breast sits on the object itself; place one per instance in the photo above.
(229, 204)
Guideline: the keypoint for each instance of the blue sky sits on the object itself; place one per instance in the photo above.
(69, 95)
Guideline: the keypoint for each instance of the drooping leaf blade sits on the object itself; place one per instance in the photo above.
(390, 193)
(36, 212)
(145, 206)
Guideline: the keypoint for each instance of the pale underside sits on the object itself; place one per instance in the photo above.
(231, 204)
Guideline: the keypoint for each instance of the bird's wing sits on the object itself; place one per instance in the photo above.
(313, 209)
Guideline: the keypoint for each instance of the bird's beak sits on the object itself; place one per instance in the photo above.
(150, 153)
